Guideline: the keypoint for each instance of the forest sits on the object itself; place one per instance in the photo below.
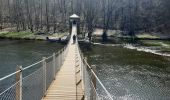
(129, 16)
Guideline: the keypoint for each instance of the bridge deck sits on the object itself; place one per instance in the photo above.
(64, 87)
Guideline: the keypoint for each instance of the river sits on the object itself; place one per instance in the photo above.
(23, 52)
(127, 74)
(131, 74)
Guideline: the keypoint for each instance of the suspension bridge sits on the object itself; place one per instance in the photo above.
(65, 75)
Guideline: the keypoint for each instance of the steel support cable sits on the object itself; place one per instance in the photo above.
(9, 93)
(95, 90)
(109, 95)
(49, 57)
(32, 65)
(9, 88)
(3, 78)
(35, 78)
(25, 68)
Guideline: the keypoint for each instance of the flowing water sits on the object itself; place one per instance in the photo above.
(131, 74)
(127, 74)
(23, 52)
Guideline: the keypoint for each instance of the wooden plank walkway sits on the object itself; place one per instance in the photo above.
(65, 86)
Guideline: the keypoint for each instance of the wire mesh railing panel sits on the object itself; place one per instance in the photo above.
(86, 83)
(102, 95)
(49, 72)
(58, 62)
(12, 93)
(57, 67)
(90, 88)
(62, 58)
(4, 84)
(92, 84)
(94, 93)
(94, 89)
(36, 80)
(33, 85)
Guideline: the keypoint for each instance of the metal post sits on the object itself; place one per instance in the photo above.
(82, 71)
(59, 59)
(54, 65)
(44, 74)
(19, 81)
(64, 53)
(56, 61)
(63, 56)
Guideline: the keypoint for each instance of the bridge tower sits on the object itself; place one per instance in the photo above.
(74, 20)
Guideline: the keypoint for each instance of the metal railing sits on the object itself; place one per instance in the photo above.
(92, 85)
(33, 86)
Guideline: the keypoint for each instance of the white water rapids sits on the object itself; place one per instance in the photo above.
(153, 50)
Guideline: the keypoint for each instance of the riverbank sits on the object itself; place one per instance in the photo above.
(26, 35)
(161, 48)
(152, 42)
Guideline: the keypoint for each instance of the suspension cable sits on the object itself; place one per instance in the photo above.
(110, 97)
(25, 68)
(9, 75)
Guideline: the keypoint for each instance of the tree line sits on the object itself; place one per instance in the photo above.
(130, 16)
(35, 15)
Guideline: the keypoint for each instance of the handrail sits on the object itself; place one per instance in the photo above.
(86, 63)
(9, 88)
(5, 77)
(110, 97)
(25, 68)
(42, 73)
(41, 76)
(63, 52)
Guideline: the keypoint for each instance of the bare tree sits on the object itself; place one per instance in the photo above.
(129, 16)
(1, 18)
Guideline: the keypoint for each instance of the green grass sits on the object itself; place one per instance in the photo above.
(164, 45)
(16, 34)
(151, 43)
(27, 35)
(146, 36)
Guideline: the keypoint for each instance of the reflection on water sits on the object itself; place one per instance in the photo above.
(130, 74)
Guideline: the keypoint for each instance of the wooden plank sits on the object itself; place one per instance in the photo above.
(65, 80)
(64, 86)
